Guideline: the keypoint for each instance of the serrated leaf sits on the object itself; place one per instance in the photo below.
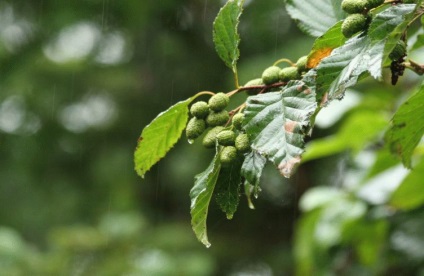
(410, 193)
(407, 127)
(200, 196)
(225, 35)
(228, 188)
(324, 45)
(160, 136)
(251, 171)
(344, 66)
(315, 17)
(395, 20)
(359, 55)
(388, 20)
(276, 123)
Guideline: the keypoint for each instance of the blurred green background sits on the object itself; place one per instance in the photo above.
(78, 82)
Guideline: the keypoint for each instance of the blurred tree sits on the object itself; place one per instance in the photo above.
(80, 79)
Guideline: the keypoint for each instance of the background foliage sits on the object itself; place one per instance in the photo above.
(78, 82)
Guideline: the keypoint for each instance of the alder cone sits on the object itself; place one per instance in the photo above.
(209, 140)
(228, 155)
(353, 24)
(226, 137)
(199, 109)
(195, 128)
(218, 102)
(271, 75)
(217, 118)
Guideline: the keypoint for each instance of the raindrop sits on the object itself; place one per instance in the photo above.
(190, 141)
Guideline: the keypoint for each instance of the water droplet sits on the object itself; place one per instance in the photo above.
(230, 216)
(208, 245)
(190, 141)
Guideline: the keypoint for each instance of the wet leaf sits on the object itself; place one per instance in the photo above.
(276, 123)
(360, 54)
(315, 17)
(228, 188)
(410, 193)
(200, 196)
(407, 127)
(251, 171)
(324, 45)
(225, 35)
(160, 136)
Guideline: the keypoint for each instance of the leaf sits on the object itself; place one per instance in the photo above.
(315, 17)
(396, 19)
(251, 171)
(225, 35)
(276, 123)
(160, 136)
(344, 66)
(419, 42)
(305, 247)
(410, 193)
(407, 127)
(228, 188)
(324, 45)
(357, 131)
(360, 54)
(200, 196)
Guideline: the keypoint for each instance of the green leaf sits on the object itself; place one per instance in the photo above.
(410, 193)
(360, 54)
(419, 42)
(315, 17)
(345, 64)
(324, 45)
(357, 131)
(251, 171)
(228, 188)
(225, 35)
(407, 127)
(276, 123)
(394, 19)
(160, 136)
(305, 248)
(200, 196)
(368, 238)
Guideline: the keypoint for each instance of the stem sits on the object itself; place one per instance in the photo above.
(417, 68)
(236, 79)
(203, 93)
(284, 60)
(262, 87)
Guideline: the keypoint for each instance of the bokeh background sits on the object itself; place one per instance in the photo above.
(78, 82)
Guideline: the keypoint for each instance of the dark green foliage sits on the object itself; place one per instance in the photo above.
(353, 24)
